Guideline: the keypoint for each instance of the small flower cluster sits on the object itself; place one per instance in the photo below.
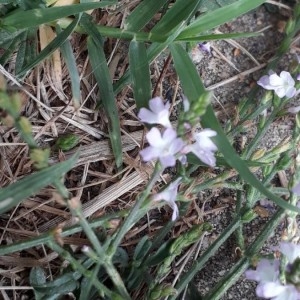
(267, 274)
(167, 146)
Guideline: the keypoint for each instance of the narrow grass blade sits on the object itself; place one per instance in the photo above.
(219, 17)
(189, 77)
(27, 50)
(152, 52)
(192, 85)
(140, 73)
(13, 194)
(224, 36)
(101, 73)
(177, 14)
(21, 19)
(7, 36)
(67, 52)
(48, 50)
(142, 14)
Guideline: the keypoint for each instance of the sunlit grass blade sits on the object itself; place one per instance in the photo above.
(142, 14)
(218, 17)
(179, 13)
(13, 194)
(140, 73)
(101, 73)
(20, 19)
(189, 77)
(50, 48)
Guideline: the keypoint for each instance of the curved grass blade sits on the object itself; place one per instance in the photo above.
(51, 47)
(193, 87)
(21, 19)
(219, 17)
(142, 14)
(101, 73)
(13, 194)
(140, 73)
(67, 52)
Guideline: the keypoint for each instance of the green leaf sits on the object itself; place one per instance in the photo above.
(179, 13)
(189, 77)
(21, 19)
(67, 52)
(140, 73)
(142, 14)
(218, 17)
(50, 48)
(101, 73)
(223, 36)
(188, 74)
(13, 194)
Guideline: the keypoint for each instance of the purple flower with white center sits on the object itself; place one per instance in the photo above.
(169, 195)
(277, 291)
(296, 189)
(283, 85)
(203, 147)
(162, 146)
(158, 113)
(205, 47)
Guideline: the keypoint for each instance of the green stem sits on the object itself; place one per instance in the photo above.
(131, 219)
(209, 252)
(77, 266)
(240, 267)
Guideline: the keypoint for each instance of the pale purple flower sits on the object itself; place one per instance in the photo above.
(294, 109)
(169, 194)
(290, 250)
(296, 189)
(158, 113)
(162, 146)
(283, 85)
(277, 291)
(204, 148)
(205, 47)
(266, 271)
(298, 77)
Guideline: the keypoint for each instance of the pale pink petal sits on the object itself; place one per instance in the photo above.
(280, 92)
(290, 92)
(154, 138)
(290, 250)
(269, 289)
(167, 161)
(275, 80)
(169, 135)
(149, 153)
(286, 76)
(265, 82)
(156, 105)
(296, 189)
(146, 116)
(294, 110)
